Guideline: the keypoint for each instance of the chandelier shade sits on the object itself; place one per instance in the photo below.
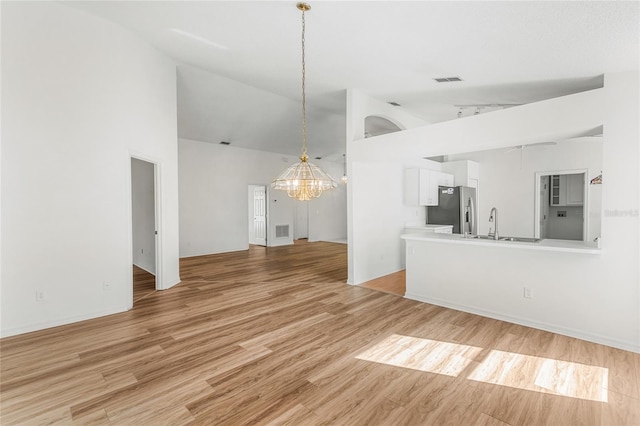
(304, 180)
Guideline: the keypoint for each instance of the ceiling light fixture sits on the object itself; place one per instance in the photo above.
(343, 179)
(303, 181)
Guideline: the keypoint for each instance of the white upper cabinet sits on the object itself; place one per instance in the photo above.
(567, 190)
(421, 186)
(465, 172)
(575, 190)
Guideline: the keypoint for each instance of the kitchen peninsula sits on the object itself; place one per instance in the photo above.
(543, 284)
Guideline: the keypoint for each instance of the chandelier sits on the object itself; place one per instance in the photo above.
(303, 180)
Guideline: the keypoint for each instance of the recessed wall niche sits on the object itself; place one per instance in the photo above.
(375, 125)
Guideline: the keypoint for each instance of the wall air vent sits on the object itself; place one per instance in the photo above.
(447, 79)
(225, 143)
(393, 103)
(282, 231)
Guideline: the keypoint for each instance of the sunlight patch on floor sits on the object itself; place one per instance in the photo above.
(544, 375)
(421, 354)
(531, 373)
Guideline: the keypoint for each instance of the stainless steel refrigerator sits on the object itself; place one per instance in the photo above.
(457, 207)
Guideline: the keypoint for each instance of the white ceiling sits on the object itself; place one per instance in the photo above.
(507, 52)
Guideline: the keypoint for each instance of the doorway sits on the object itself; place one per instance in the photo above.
(257, 215)
(143, 227)
(301, 221)
(561, 210)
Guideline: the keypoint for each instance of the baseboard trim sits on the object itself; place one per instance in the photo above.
(553, 328)
(62, 321)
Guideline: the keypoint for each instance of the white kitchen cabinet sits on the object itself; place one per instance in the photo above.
(575, 190)
(465, 172)
(421, 186)
(567, 190)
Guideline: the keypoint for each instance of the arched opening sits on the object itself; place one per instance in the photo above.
(375, 125)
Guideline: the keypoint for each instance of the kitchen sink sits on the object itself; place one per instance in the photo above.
(481, 237)
(514, 239)
(520, 239)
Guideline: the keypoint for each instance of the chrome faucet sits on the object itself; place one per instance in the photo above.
(493, 217)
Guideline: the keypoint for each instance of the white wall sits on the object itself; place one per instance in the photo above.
(370, 197)
(375, 240)
(378, 202)
(611, 306)
(507, 181)
(143, 215)
(280, 212)
(213, 207)
(362, 106)
(80, 95)
(328, 214)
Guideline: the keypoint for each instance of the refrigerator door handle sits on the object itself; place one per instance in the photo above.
(472, 221)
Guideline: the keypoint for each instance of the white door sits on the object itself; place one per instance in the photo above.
(259, 216)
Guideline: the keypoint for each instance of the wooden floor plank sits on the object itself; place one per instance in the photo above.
(144, 284)
(395, 283)
(275, 336)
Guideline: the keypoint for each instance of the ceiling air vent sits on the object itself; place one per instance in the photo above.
(447, 79)
(393, 103)
(225, 143)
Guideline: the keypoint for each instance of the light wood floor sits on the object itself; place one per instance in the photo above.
(274, 336)
(395, 283)
(144, 284)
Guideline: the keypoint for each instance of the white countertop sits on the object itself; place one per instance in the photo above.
(550, 245)
(428, 227)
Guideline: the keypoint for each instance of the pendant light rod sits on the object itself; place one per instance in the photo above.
(304, 180)
(304, 7)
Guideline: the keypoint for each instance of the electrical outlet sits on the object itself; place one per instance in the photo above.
(39, 295)
(528, 293)
(106, 286)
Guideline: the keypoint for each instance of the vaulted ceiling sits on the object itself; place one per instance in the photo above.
(505, 52)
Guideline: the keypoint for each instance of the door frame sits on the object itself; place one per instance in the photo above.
(157, 195)
(585, 203)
